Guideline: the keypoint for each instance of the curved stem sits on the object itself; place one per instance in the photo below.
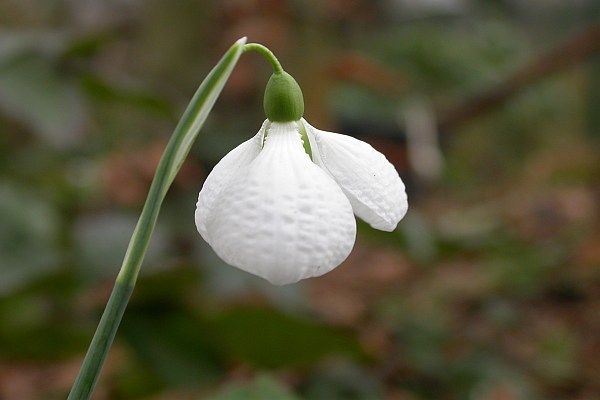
(267, 54)
(177, 149)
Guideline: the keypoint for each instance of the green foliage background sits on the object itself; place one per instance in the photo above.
(487, 290)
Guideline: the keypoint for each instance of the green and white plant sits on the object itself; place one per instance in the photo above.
(279, 205)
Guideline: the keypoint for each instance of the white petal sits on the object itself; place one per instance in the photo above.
(223, 174)
(283, 218)
(370, 181)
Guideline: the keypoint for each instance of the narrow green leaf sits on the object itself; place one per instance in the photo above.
(177, 149)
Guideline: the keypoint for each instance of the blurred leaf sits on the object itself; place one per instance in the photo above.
(519, 268)
(34, 324)
(166, 286)
(355, 104)
(593, 100)
(342, 380)
(33, 91)
(136, 379)
(17, 43)
(101, 241)
(51, 340)
(270, 339)
(28, 238)
(263, 387)
(102, 90)
(556, 358)
(169, 342)
(423, 340)
(89, 45)
(438, 57)
(173, 344)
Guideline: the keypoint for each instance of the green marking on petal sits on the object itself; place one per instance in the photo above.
(305, 141)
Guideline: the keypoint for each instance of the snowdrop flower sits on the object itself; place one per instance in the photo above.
(269, 207)
(274, 210)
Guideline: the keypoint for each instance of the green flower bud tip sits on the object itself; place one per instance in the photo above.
(283, 100)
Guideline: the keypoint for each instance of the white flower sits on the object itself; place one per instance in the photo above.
(268, 209)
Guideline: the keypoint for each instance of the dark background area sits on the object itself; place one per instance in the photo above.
(488, 289)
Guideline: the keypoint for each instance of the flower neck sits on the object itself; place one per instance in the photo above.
(266, 53)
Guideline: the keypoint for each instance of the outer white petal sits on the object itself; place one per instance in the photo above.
(236, 161)
(283, 218)
(370, 181)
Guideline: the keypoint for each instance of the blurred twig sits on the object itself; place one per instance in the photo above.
(359, 69)
(572, 52)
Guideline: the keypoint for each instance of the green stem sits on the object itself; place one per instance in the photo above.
(177, 149)
(267, 54)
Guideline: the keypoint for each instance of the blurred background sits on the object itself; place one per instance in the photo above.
(488, 289)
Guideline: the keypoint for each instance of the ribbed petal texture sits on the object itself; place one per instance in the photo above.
(234, 163)
(281, 217)
(368, 179)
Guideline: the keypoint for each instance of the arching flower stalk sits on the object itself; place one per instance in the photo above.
(268, 207)
(271, 209)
